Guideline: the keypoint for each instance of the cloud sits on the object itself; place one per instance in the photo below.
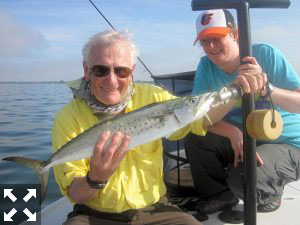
(275, 32)
(167, 59)
(18, 40)
(285, 38)
(166, 52)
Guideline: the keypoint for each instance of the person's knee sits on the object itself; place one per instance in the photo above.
(191, 143)
(190, 138)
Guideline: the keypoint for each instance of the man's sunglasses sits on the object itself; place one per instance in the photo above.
(102, 71)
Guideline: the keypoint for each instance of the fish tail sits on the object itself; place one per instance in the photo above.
(37, 166)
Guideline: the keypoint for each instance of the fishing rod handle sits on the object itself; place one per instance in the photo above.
(233, 91)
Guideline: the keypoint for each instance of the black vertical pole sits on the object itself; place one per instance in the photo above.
(249, 148)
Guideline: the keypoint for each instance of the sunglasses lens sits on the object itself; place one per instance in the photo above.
(100, 71)
(122, 72)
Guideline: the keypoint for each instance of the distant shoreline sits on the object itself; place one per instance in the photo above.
(49, 82)
(32, 82)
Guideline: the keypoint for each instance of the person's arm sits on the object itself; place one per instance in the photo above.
(280, 74)
(80, 191)
(217, 113)
(235, 135)
(103, 163)
(286, 99)
(225, 129)
(249, 82)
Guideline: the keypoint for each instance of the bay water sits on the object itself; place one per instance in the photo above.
(27, 111)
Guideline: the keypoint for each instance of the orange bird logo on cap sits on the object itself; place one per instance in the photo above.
(206, 18)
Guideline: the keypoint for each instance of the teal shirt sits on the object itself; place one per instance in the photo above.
(209, 77)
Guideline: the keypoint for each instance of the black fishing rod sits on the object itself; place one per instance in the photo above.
(140, 60)
(245, 46)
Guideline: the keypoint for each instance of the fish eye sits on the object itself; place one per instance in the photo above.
(193, 100)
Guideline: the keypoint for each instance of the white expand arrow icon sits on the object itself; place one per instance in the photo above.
(31, 193)
(31, 216)
(8, 216)
(7, 193)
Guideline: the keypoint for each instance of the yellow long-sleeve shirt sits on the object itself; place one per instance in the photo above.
(138, 181)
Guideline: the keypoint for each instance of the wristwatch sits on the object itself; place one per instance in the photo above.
(270, 89)
(93, 184)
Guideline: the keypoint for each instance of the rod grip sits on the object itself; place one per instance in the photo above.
(233, 91)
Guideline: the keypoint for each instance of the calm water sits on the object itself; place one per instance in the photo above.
(26, 116)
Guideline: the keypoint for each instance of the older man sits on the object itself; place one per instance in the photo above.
(115, 185)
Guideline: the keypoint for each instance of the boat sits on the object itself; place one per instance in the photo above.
(179, 182)
(177, 176)
(287, 214)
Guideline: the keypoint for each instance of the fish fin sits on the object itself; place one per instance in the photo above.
(37, 166)
(74, 84)
(142, 109)
(168, 135)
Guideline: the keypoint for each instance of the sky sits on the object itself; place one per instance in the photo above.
(41, 40)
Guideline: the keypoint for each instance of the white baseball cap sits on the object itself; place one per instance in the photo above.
(214, 23)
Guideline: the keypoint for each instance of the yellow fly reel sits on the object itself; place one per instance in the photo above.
(264, 125)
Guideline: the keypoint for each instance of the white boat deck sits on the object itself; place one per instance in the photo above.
(287, 214)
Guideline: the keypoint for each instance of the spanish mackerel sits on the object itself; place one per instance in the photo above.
(146, 124)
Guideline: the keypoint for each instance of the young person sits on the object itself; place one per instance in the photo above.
(215, 159)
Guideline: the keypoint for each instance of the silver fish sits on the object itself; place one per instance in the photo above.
(143, 125)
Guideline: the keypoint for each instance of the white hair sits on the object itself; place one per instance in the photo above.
(106, 39)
